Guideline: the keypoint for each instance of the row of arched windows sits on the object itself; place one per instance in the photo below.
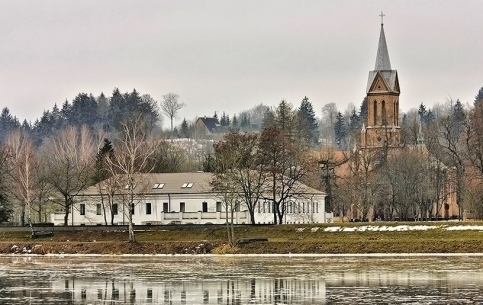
(382, 120)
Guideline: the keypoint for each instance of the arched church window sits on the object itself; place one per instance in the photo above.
(375, 113)
(384, 118)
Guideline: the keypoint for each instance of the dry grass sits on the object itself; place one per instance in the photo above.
(282, 239)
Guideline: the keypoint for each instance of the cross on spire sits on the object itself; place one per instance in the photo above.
(382, 18)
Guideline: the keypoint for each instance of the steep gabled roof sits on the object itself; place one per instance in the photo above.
(212, 124)
(390, 79)
(383, 68)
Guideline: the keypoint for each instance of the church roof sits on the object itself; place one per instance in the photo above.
(383, 66)
(390, 77)
(382, 59)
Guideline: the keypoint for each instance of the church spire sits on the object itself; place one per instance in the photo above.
(382, 59)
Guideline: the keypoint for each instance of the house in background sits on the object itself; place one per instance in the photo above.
(184, 198)
(210, 125)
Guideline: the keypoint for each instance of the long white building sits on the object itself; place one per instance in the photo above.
(183, 198)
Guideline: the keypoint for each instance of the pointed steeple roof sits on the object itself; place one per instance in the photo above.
(382, 59)
(383, 66)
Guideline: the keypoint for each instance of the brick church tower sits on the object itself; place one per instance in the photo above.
(382, 127)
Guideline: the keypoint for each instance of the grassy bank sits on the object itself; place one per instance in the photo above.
(282, 239)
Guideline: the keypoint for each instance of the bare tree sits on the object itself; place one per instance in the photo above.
(133, 152)
(455, 155)
(70, 158)
(5, 207)
(284, 165)
(329, 113)
(170, 107)
(240, 157)
(23, 162)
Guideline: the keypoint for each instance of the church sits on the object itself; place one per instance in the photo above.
(381, 137)
(382, 101)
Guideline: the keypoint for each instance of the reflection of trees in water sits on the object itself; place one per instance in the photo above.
(237, 291)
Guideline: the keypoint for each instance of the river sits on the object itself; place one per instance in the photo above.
(241, 280)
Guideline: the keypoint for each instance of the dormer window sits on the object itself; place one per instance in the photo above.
(158, 185)
(187, 185)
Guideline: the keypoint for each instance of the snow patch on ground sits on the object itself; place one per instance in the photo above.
(398, 228)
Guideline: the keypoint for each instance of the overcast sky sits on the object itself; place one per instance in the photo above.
(232, 55)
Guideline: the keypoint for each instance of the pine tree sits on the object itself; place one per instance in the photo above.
(309, 121)
(479, 97)
(422, 112)
(340, 129)
(184, 129)
(355, 123)
(7, 124)
(244, 121)
(234, 121)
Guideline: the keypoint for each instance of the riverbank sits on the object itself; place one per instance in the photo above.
(349, 238)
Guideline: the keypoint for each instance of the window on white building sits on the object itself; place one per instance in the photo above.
(165, 207)
(204, 206)
(114, 209)
(218, 206)
(148, 208)
(99, 209)
(182, 207)
(82, 209)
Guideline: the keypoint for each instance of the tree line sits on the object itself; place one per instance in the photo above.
(83, 143)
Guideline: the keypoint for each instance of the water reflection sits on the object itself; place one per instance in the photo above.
(244, 280)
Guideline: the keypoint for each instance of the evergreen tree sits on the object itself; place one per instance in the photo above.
(430, 118)
(458, 117)
(309, 121)
(84, 111)
(422, 112)
(284, 118)
(244, 120)
(355, 123)
(268, 119)
(101, 171)
(7, 124)
(234, 121)
(458, 111)
(479, 97)
(65, 111)
(117, 109)
(340, 129)
(184, 129)
(225, 120)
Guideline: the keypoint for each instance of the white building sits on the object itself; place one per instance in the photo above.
(184, 198)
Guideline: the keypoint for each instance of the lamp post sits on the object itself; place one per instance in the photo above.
(326, 168)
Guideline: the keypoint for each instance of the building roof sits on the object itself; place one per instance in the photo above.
(179, 183)
(390, 79)
(382, 58)
(212, 124)
(383, 66)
